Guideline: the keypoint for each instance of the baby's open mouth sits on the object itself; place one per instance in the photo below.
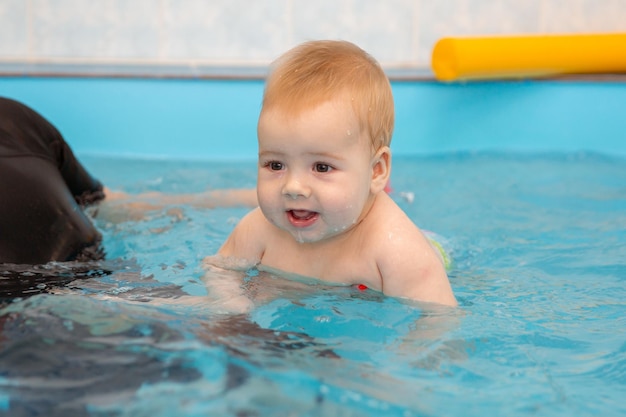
(302, 218)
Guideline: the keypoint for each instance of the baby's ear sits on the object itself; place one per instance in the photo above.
(381, 169)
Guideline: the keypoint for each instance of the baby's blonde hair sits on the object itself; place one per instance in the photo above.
(318, 71)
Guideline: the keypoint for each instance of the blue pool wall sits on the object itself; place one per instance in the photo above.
(216, 118)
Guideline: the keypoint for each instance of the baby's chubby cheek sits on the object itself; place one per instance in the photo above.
(274, 216)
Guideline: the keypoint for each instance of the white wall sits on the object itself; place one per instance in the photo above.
(400, 33)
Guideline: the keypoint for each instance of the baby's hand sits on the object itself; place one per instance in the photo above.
(234, 304)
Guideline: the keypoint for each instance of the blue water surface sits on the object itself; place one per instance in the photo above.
(539, 249)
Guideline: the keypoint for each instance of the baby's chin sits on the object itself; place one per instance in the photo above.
(313, 237)
(304, 238)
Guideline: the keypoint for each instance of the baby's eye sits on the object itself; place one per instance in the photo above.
(274, 165)
(322, 167)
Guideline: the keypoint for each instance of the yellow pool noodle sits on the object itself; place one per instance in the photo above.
(528, 56)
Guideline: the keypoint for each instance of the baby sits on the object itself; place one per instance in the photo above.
(324, 160)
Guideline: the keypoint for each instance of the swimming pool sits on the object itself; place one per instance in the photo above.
(537, 231)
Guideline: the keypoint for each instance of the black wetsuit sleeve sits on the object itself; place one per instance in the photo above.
(85, 189)
(24, 132)
(41, 186)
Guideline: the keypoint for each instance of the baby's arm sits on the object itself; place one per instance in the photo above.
(242, 250)
(225, 292)
(411, 268)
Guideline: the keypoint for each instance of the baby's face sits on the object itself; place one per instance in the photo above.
(315, 170)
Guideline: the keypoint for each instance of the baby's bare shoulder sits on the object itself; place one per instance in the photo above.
(248, 238)
(407, 262)
(253, 223)
(387, 220)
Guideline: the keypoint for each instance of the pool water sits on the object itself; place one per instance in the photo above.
(539, 249)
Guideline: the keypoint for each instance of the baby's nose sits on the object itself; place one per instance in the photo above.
(294, 187)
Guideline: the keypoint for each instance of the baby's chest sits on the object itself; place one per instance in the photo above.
(346, 266)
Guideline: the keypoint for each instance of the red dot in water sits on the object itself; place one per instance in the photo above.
(361, 287)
